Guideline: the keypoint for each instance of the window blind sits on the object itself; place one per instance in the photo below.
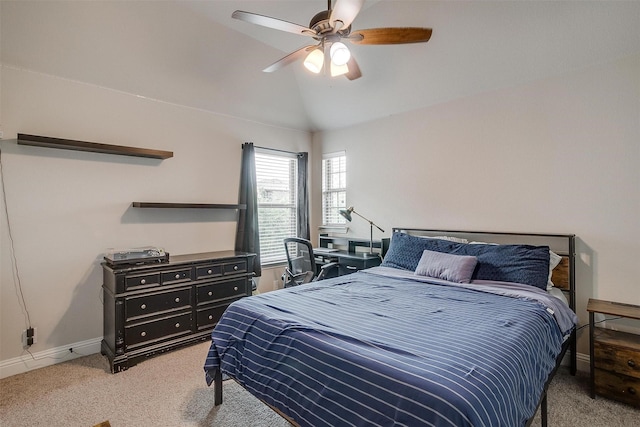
(276, 176)
(334, 187)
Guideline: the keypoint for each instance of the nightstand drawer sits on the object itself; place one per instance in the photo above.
(221, 290)
(156, 330)
(618, 387)
(618, 359)
(157, 303)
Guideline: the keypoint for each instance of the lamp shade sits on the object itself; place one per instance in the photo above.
(339, 53)
(346, 213)
(338, 70)
(314, 61)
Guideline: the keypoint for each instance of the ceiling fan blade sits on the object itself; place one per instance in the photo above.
(390, 35)
(354, 69)
(345, 11)
(274, 23)
(292, 57)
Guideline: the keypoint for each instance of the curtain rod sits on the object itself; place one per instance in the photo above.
(276, 149)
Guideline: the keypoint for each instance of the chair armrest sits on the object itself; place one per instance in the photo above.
(328, 265)
(324, 268)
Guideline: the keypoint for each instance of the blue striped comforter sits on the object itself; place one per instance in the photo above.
(373, 350)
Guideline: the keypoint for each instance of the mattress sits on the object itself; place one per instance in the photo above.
(384, 347)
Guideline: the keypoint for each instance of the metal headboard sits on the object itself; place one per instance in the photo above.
(562, 244)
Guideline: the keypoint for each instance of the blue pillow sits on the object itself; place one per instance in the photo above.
(504, 263)
(405, 251)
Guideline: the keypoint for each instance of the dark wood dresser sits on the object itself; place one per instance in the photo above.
(153, 308)
(615, 355)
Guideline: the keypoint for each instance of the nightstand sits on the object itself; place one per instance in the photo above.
(615, 355)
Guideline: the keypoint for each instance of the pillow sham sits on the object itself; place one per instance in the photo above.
(505, 263)
(441, 265)
(405, 250)
(554, 260)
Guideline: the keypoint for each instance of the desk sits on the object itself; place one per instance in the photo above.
(348, 262)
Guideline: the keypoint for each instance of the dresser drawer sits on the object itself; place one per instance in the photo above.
(235, 267)
(618, 387)
(619, 359)
(142, 281)
(208, 317)
(176, 276)
(208, 271)
(160, 329)
(221, 290)
(157, 303)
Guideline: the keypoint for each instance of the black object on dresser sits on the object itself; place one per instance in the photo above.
(153, 308)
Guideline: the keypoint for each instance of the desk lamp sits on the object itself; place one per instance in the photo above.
(346, 213)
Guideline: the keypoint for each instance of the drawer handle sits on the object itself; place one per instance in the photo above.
(210, 293)
(177, 325)
(143, 281)
(143, 306)
(209, 271)
(631, 364)
(351, 267)
(235, 288)
(235, 267)
(210, 317)
(177, 276)
(632, 391)
(143, 334)
(177, 299)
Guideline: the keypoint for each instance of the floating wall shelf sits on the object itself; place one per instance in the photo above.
(161, 205)
(70, 144)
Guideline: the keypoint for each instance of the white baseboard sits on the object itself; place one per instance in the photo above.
(583, 362)
(28, 362)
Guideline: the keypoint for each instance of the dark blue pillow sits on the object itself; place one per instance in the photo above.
(405, 251)
(504, 263)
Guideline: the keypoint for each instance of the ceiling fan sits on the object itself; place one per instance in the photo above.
(329, 28)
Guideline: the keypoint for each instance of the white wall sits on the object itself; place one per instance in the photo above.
(67, 208)
(559, 156)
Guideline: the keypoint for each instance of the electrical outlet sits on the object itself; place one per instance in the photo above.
(29, 337)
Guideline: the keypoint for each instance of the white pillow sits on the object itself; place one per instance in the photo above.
(554, 260)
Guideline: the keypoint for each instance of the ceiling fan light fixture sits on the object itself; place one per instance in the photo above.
(340, 54)
(338, 70)
(314, 61)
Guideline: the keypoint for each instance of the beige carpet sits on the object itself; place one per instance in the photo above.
(169, 390)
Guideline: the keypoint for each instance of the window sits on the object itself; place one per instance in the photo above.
(276, 176)
(334, 187)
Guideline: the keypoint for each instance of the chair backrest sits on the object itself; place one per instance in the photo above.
(300, 259)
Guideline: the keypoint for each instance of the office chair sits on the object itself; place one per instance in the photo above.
(302, 263)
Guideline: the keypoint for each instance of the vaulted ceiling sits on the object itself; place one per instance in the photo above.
(195, 54)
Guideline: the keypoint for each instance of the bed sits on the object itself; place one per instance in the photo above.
(454, 328)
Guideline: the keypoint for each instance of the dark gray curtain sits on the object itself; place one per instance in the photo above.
(303, 197)
(247, 232)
